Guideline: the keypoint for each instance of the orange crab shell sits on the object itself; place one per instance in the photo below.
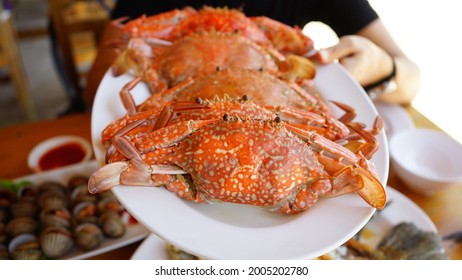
(259, 86)
(202, 54)
(249, 162)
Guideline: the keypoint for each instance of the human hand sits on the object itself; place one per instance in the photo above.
(363, 59)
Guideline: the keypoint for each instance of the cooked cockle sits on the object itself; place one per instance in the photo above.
(24, 208)
(111, 224)
(88, 236)
(81, 194)
(109, 203)
(52, 199)
(55, 217)
(27, 193)
(25, 247)
(21, 225)
(52, 186)
(84, 212)
(56, 242)
(7, 197)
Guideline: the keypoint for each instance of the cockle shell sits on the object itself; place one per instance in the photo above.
(56, 242)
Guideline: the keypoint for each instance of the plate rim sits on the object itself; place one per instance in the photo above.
(405, 203)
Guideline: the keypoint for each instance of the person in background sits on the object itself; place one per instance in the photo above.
(365, 48)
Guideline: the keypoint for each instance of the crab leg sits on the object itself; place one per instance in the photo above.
(321, 144)
(371, 143)
(339, 157)
(127, 98)
(329, 127)
(350, 112)
(169, 111)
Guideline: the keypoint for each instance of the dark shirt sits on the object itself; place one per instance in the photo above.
(343, 16)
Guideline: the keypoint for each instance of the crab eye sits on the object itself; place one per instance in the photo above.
(245, 98)
(199, 100)
(277, 119)
(226, 117)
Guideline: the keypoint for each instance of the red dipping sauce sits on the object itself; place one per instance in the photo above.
(60, 156)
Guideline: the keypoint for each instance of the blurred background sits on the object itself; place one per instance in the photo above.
(427, 32)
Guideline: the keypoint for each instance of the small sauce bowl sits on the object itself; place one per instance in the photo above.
(58, 152)
(428, 161)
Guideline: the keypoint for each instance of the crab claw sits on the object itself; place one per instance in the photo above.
(106, 177)
(373, 191)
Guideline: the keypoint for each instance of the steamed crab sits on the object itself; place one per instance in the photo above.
(260, 86)
(257, 161)
(175, 24)
(201, 54)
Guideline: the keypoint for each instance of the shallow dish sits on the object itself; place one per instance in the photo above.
(229, 231)
(59, 151)
(400, 209)
(427, 160)
(394, 117)
(133, 233)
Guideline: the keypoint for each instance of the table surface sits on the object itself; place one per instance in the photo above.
(16, 142)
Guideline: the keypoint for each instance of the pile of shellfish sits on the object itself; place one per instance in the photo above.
(50, 219)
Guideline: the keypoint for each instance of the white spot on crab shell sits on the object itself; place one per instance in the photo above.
(211, 173)
(292, 185)
(302, 204)
(254, 197)
(250, 142)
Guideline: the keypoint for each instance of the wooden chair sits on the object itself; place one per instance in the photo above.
(68, 18)
(10, 57)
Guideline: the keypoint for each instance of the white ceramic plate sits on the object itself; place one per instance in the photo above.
(395, 118)
(228, 231)
(134, 232)
(400, 209)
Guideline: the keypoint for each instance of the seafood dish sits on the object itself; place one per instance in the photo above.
(231, 116)
(51, 215)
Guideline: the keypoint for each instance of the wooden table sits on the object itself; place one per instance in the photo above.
(444, 209)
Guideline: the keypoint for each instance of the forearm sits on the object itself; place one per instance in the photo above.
(407, 72)
(407, 80)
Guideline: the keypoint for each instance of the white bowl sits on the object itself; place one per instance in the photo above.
(78, 150)
(426, 160)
